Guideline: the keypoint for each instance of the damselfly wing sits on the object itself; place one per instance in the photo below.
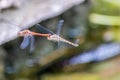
(46, 31)
(25, 42)
(28, 41)
(53, 36)
(58, 30)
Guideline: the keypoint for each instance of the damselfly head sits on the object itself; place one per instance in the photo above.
(23, 33)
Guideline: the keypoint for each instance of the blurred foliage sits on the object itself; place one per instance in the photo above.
(49, 63)
(73, 76)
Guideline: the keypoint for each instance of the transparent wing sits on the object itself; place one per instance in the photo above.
(25, 42)
(32, 47)
(43, 29)
(58, 30)
(59, 27)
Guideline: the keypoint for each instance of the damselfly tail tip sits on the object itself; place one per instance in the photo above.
(76, 45)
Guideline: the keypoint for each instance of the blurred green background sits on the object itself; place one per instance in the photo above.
(94, 25)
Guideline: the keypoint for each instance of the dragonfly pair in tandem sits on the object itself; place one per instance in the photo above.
(51, 36)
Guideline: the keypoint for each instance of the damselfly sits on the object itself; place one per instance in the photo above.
(53, 36)
(29, 36)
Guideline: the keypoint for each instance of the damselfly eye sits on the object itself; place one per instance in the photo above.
(20, 33)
